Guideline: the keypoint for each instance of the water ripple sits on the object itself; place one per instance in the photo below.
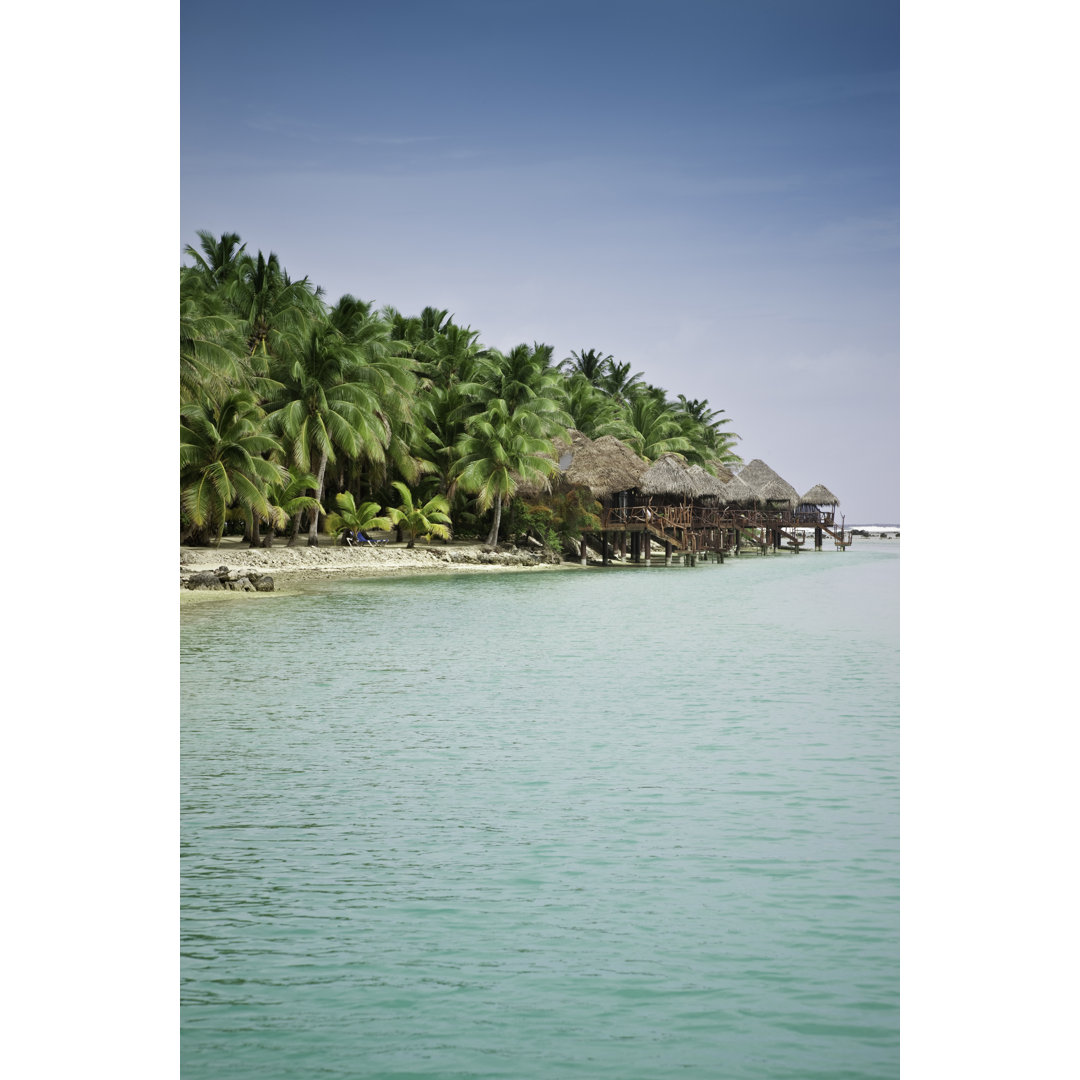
(616, 824)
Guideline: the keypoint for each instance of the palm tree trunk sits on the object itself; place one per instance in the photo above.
(295, 529)
(313, 529)
(256, 540)
(493, 536)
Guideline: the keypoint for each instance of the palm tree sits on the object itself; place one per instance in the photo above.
(320, 406)
(389, 375)
(210, 345)
(430, 519)
(588, 408)
(221, 463)
(619, 384)
(288, 501)
(528, 387)
(271, 305)
(350, 518)
(498, 450)
(219, 258)
(650, 428)
(590, 363)
(454, 368)
(701, 425)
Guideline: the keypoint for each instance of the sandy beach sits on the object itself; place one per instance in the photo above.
(291, 567)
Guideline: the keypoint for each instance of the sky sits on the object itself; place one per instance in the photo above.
(706, 189)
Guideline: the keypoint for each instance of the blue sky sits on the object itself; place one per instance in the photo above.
(708, 190)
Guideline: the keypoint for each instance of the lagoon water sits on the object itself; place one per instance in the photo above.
(626, 823)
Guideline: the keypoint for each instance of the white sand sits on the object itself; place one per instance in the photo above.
(290, 566)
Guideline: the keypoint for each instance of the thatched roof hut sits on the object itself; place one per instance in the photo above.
(604, 466)
(668, 476)
(704, 484)
(737, 492)
(768, 485)
(820, 495)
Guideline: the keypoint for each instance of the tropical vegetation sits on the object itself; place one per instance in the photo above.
(290, 404)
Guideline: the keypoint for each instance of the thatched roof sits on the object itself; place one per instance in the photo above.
(668, 475)
(604, 466)
(704, 484)
(721, 470)
(738, 493)
(820, 495)
(767, 484)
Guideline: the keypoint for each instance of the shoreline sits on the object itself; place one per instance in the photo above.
(294, 567)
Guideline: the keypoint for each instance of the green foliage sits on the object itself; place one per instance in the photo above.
(221, 462)
(354, 399)
(289, 498)
(650, 427)
(559, 519)
(420, 521)
(352, 518)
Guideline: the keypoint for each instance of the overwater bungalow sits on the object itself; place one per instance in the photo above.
(738, 494)
(774, 493)
(817, 510)
(776, 501)
(817, 506)
(683, 507)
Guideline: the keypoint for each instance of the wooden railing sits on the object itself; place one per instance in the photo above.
(701, 527)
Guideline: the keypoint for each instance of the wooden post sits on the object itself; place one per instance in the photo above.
(667, 552)
(648, 549)
(817, 538)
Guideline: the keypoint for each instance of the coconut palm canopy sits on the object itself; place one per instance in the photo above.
(820, 495)
(668, 475)
(768, 485)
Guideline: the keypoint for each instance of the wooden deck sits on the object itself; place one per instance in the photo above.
(690, 530)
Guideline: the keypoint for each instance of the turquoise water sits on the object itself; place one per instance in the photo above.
(607, 823)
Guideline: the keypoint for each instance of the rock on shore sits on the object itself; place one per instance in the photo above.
(224, 578)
